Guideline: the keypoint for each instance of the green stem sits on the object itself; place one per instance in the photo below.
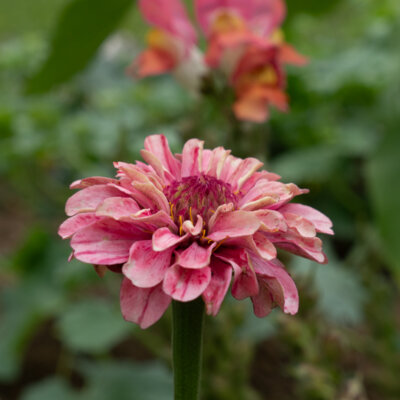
(187, 345)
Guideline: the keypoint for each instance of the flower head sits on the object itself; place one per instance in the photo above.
(171, 43)
(231, 26)
(184, 226)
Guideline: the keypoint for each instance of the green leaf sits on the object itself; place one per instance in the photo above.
(383, 180)
(126, 381)
(82, 27)
(49, 389)
(92, 326)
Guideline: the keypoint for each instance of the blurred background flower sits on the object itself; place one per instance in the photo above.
(68, 110)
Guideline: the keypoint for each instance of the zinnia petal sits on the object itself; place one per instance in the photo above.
(185, 284)
(218, 286)
(143, 306)
(105, 242)
(145, 267)
(195, 256)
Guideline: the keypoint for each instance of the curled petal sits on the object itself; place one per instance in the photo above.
(258, 243)
(143, 306)
(89, 198)
(301, 225)
(145, 267)
(94, 180)
(158, 145)
(195, 256)
(105, 242)
(218, 286)
(257, 176)
(192, 157)
(263, 301)
(306, 247)
(273, 276)
(321, 222)
(185, 284)
(244, 171)
(271, 221)
(233, 224)
(117, 207)
(73, 224)
(245, 281)
(150, 197)
(217, 162)
(161, 171)
(163, 239)
(194, 230)
(230, 165)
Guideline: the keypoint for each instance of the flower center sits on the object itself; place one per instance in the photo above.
(197, 195)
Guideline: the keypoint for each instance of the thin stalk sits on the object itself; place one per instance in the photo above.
(187, 346)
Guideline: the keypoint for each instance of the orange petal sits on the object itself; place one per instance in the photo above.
(289, 55)
(151, 62)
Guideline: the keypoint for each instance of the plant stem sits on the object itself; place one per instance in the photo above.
(187, 345)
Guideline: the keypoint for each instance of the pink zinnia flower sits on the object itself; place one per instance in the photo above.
(179, 227)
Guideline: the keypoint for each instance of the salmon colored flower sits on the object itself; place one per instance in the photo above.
(259, 81)
(232, 25)
(193, 224)
(171, 43)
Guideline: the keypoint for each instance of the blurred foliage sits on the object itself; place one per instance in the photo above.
(61, 332)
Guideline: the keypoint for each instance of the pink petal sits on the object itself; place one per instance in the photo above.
(73, 224)
(218, 286)
(259, 176)
(245, 281)
(142, 306)
(263, 302)
(261, 203)
(117, 207)
(194, 230)
(195, 256)
(170, 16)
(186, 284)
(163, 239)
(145, 267)
(273, 275)
(243, 172)
(94, 180)
(230, 165)
(321, 222)
(88, 199)
(192, 157)
(138, 173)
(301, 225)
(268, 15)
(158, 145)
(217, 162)
(106, 242)
(271, 221)
(151, 222)
(233, 224)
(206, 10)
(149, 196)
(161, 171)
(306, 247)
